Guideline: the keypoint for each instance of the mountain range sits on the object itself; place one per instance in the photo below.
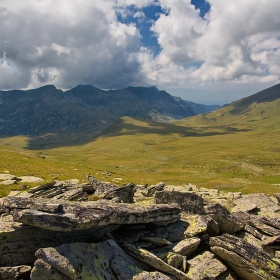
(87, 109)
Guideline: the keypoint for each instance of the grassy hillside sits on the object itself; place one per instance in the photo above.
(233, 157)
(257, 112)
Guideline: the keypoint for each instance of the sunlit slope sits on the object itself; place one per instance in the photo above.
(258, 111)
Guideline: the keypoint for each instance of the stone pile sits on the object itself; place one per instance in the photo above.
(63, 230)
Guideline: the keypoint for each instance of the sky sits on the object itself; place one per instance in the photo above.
(205, 51)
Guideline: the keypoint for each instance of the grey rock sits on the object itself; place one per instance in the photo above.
(149, 258)
(246, 260)
(31, 179)
(189, 202)
(104, 190)
(267, 226)
(200, 224)
(277, 195)
(205, 266)
(226, 221)
(266, 206)
(44, 271)
(104, 260)
(157, 241)
(173, 232)
(42, 187)
(92, 215)
(15, 272)
(186, 247)
(151, 276)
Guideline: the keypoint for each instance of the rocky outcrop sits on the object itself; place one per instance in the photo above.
(57, 232)
(246, 260)
(89, 215)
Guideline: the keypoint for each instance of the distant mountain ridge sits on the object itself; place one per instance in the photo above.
(86, 109)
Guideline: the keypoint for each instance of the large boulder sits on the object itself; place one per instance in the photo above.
(104, 260)
(200, 224)
(206, 266)
(245, 259)
(265, 204)
(89, 215)
(226, 221)
(188, 201)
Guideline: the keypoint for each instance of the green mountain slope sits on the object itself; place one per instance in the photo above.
(258, 111)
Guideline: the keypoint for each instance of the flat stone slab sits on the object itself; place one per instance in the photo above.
(246, 260)
(88, 215)
(31, 179)
(206, 266)
(266, 206)
(4, 177)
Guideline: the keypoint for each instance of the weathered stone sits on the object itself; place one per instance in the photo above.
(1, 206)
(154, 188)
(271, 240)
(205, 266)
(246, 260)
(19, 243)
(187, 247)
(266, 225)
(151, 276)
(31, 179)
(149, 258)
(49, 193)
(253, 240)
(104, 260)
(8, 182)
(42, 187)
(15, 272)
(200, 224)
(49, 207)
(155, 240)
(242, 268)
(255, 232)
(124, 193)
(172, 232)
(227, 222)
(92, 215)
(189, 202)
(88, 188)
(73, 194)
(241, 207)
(277, 195)
(44, 271)
(266, 206)
(175, 260)
(5, 177)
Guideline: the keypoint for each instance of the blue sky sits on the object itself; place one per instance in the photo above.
(210, 52)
